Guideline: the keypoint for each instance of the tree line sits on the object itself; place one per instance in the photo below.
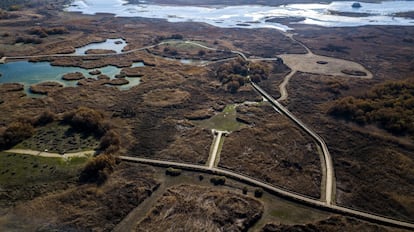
(389, 105)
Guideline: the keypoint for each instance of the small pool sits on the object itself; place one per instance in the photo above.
(116, 45)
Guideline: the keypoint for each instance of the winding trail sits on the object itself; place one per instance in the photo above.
(327, 204)
(282, 86)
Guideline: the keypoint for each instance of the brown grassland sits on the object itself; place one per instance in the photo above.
(374, 165)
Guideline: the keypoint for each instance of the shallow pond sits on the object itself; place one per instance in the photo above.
(29, 73)
(116, 45)
(256, 16)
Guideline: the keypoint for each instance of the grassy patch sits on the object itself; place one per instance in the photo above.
(59, 138)
(225, 120)
(185, 46)
(17, 169)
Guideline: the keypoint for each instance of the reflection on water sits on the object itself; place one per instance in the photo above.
(116, 45)
(255, 16)
(29, 73)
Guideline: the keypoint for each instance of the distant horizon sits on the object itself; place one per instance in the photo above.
(334, 14)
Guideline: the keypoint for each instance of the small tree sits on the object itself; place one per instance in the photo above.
(244, 190)
(200, 177)
(233, 86)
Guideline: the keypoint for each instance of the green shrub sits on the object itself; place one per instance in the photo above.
(258, 192)
(244, 190)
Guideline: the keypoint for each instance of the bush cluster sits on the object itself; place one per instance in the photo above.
(28, 40)
(258, 192)
(233, 74)
(86, 120)
(173, 36)
(15, 133)
(110, 142)
(170, 51)
(390, 105)
(218, 180)
(44, 32)
(45, 118)
(98, 169)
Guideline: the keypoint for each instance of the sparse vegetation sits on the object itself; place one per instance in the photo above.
(198, 208)
(335, 48)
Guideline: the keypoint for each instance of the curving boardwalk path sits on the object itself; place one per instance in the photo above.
(276, 190)
(240, 177)
(329, 185)
(329, 175)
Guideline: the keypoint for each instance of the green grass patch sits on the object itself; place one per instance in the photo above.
(180, 44)
(225, 120)
(59, 139)
(17, 169)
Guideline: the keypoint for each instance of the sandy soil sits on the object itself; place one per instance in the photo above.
(308, 63)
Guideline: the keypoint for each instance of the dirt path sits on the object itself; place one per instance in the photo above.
(51, 154)
(282, 86)
(215, 148)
